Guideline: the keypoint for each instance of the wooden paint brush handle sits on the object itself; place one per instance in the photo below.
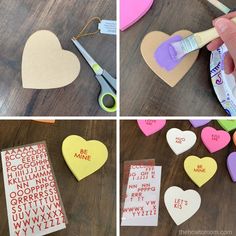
(205, 37)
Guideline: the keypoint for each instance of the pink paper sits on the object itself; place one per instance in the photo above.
(150, 127)
(133, 10)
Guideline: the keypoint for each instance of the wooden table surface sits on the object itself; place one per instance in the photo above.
(218, 208)
(89, 204)
(142, 92)
(21, 18)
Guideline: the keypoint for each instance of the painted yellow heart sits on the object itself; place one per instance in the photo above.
(150, 44)
(200, 170)
(83, 157)
(45, 65)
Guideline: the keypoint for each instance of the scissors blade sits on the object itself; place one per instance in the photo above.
(94, 65)
(109, 79)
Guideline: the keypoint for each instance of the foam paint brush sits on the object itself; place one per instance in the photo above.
(193, 42)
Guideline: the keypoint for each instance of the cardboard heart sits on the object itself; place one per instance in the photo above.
(199, 123)
(150, 44)
(150, 127)
(45, 65)
(231, 164)
(227, 125)
(180, 204)
(180, 141)
(132, 10)
(200, 170)
(215, 140)
(83, 157)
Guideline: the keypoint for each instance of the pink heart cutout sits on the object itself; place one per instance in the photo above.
(150, 127)
(132, 10)
(215, 140)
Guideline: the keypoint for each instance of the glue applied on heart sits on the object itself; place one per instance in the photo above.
(165, 53)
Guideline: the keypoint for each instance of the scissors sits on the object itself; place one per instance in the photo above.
(106, 81)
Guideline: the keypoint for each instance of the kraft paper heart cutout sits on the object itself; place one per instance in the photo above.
(227, 125)
(150, 127)
(83, 157)
(231, 164)
(199, 123)
(45, 65)
(149, 46)
(200, 170)
(180, 204)
(215, 140)
(132, 11)
(180, 141)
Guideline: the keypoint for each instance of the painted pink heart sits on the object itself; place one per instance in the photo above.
(132, 10)
(215, 140)
(150, 127)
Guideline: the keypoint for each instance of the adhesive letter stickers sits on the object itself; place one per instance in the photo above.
(33, 202)
(141, 207)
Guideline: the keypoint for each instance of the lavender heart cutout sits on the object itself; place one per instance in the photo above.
(231, 164)
(199, 123)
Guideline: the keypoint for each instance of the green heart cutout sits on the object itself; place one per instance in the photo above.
(227, 125)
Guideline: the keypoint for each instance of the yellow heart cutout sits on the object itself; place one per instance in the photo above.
(200, 170)
(45, 65)
(150, 44)
(83, 157)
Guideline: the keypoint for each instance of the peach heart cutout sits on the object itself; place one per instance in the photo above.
(45, 65)
(150, 44)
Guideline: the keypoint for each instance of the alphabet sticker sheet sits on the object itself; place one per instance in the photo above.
(33, 201)
(141, 207)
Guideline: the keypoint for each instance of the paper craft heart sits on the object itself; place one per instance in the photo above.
(228, 125)
(199, 123)
(150, 127)
(45, 65)
(234, 138)
(180, 141)
(215, 140)
(200, 170)
(180, 204)
(231, 164)
(150, 44)
(83, 157)
(132, 10)
(46, 121)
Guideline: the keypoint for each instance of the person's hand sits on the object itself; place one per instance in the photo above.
(227, 31)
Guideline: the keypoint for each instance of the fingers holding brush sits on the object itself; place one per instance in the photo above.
(229, 66)
(215, 44)
(227, 31)
(218, 42)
